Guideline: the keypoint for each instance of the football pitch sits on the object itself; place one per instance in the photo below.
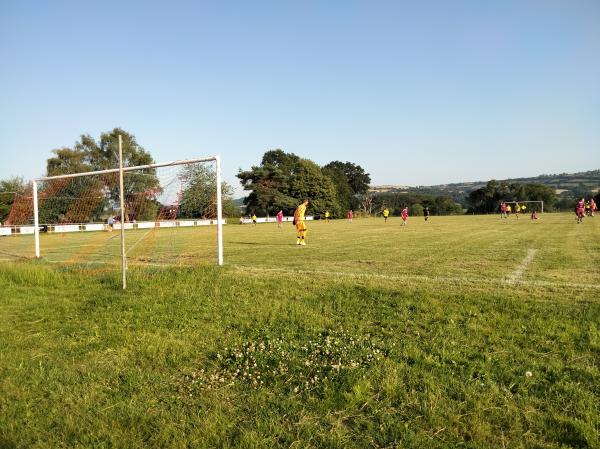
(465, 331)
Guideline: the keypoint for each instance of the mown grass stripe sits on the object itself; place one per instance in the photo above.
(413, 277)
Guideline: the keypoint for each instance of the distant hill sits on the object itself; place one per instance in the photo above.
(565, 184)
(238, 201)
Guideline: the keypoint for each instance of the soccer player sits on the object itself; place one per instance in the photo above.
(110, 223)
(404, 216)
(254, 219)
(508, 210)
(299, 222)
(279, 218)
(350, 215)
(580, 210)
(593, 207)
(426, 213)
(517, 210)
(534, 215)
(503, 210)
(386, 214)
(327, 215)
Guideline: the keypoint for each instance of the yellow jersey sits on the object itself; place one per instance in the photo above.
(326, 214)
(300, 211)
(386, 212)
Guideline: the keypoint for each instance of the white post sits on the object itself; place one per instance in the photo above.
(219, 212)
(542, 207)
(36, 220)
(122, 200)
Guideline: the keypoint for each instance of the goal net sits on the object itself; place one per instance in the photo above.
(172, 216)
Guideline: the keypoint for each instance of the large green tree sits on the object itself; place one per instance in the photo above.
(282, 180)
(91, 198)
(345, 196)
(358, 180)
(310, 182)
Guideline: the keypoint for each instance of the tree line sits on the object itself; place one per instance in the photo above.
(487, 199)
(279, 182)
(282, 180)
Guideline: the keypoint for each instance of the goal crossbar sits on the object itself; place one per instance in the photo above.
(126, 169)
(215, 158)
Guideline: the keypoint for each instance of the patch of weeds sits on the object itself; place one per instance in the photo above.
(296, 365)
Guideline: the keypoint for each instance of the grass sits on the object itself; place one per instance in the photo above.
(371, 336)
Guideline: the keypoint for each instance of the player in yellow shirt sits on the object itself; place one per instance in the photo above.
(299, 222)
(386, 214)
(254, 219)
(327, 215)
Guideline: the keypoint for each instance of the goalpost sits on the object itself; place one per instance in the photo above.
(153, 201)
(541, 203)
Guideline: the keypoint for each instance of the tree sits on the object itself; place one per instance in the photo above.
(416, 210)
(310, 182)
(358, 180)
(344, 194)
(366, 204)
(88, 198)
(282, 180)
(199, 194)
(269, 183)
(10, 190)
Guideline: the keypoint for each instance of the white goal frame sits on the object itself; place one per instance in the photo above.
(121, 170)
(525, 202)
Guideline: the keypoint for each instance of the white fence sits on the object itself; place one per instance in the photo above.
(271, 219)
(86, 227)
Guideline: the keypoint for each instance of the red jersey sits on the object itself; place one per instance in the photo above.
(405, 213)
(350, 214)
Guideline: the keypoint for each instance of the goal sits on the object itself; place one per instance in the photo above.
(156, 214)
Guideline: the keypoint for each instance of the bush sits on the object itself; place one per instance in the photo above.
(416, 210)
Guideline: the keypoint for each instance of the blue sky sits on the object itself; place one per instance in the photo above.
(417, 93)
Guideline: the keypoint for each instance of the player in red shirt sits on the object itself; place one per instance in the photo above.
(503, 210)
(593, 207)
(279, 218)
(350, 215)
(404, 216)
(580, 210)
